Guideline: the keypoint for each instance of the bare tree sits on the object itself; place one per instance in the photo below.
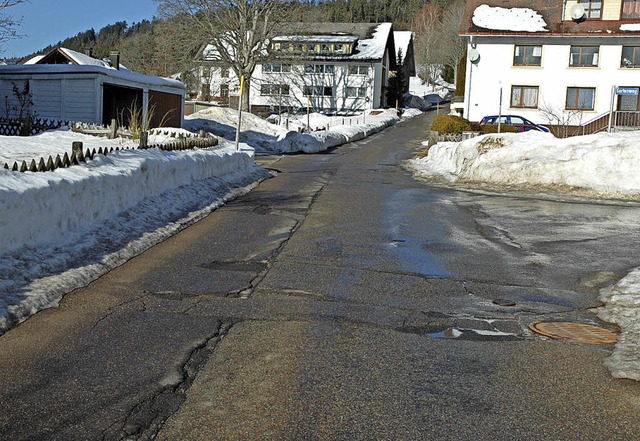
(426, 28)
(238, 30)
(452, 46)
(8, 23)
(562, 119)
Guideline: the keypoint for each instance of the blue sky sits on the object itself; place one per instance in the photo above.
(46, 22)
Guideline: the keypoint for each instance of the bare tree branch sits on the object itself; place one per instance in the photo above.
(9, 24)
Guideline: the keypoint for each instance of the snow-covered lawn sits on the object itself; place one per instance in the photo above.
(603, 165)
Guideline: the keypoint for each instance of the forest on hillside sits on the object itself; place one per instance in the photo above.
(160, 46)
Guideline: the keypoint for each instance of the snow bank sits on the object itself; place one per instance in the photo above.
(319, 141)
(602, 165)
(82, 195)
(63, 229)
(272, 138)
(622, 307)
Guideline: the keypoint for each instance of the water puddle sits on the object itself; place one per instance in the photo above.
(473, 335)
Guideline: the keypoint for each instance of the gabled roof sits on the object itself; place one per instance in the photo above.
(536, 18)
(62, 55)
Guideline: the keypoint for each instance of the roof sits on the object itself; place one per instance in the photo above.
(371, 39)
(536, 18)
(69, 69)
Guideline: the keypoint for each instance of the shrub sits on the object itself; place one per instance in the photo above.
(493, 128)
(450, 124)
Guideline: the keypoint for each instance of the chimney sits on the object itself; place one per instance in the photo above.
(114, 57)
(88, 52)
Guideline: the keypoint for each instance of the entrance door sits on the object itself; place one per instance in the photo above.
(627, 110)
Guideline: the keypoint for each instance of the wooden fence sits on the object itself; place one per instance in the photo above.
(79, 155)
(28, 126)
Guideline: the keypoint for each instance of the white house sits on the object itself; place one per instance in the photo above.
(567, 63)
(70, 86)
(330, 67)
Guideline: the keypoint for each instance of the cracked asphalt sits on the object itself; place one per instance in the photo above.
(319, 307)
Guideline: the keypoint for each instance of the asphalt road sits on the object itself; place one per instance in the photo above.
(317, 308)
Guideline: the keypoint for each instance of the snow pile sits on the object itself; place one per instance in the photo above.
(512, 19)
(63, 229)
(314, 142)
(602, 165)
(622, 307)
(272, 138)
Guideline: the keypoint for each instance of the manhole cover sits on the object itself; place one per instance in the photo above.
(576, 332)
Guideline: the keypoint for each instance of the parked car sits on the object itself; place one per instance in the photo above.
(519, 122)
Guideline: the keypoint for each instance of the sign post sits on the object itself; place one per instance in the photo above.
(239, 113)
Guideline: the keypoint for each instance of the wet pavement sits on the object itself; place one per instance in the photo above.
(340, 300)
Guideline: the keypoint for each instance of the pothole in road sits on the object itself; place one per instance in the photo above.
(574, 332)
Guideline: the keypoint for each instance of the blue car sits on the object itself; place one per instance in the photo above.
(519, 122)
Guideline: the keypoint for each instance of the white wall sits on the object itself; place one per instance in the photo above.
(552, 77)
(69, 99)
(339, 80)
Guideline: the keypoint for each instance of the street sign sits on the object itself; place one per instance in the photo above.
(627, 91)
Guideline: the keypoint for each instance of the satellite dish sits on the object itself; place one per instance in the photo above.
(577, 12)
(474, 55)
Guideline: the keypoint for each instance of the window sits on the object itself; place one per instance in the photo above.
(356, 92)
(630, 9)
(325, 48)
(630, 56)
(319, 68)
(224, 72)
(527, 56)
(584, 56)
(224, 90)
(274, 89)
(592, 8)
(580, 98)
(358, 70)
(317, 91)
(524, 96)
(276, 68)
(338, 47)
(311, 47)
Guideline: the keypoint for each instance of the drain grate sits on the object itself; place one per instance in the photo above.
(575, 332)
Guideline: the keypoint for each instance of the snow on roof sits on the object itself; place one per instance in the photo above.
(630, 27)
(82, 59)
(34, 60)
(373, 48)
(513, 19)
(123, 74)
(402, 40)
